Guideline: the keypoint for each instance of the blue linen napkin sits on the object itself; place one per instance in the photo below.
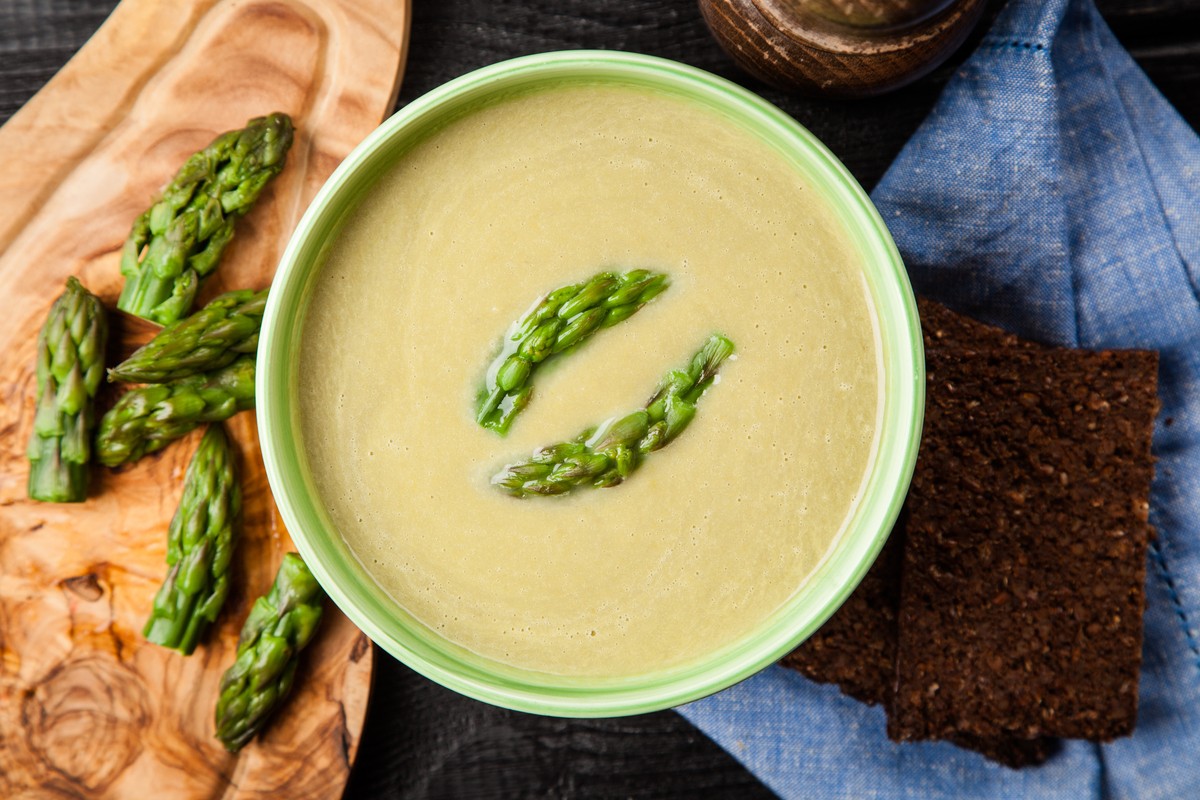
(1052, 191)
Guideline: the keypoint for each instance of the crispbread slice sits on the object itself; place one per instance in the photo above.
(856, 648)
(1022, 594)
(944, 329)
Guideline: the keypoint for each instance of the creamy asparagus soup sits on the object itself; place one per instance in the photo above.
(712, 533)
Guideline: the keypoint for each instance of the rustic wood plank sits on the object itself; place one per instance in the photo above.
(86, 707)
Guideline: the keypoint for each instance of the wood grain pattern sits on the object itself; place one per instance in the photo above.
(86, 707)
(852, 48)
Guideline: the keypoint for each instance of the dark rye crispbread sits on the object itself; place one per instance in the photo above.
(1022, 584)
(856, 648)
(944, 329)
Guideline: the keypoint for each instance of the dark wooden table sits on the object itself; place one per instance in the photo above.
(422, 741)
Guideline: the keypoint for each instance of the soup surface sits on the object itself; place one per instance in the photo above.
(713, 533)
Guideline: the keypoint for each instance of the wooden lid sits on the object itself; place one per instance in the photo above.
(840, 47)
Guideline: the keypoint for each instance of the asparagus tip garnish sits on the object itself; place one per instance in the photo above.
(558, 323)
(608, 454)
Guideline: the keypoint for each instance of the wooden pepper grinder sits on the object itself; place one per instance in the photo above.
(851, 48)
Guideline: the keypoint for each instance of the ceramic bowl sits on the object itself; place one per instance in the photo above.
(350, 585)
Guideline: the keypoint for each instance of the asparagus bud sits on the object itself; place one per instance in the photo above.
(558, 323)
(178, 241)
(70, 361)
(199, 546)
(279, 626)
(605, 456)
(207, 340)
(149, 418)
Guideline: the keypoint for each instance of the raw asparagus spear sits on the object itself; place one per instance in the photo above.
(199, 545)
(279, 626)
(70, 362)
(179, 240)
(558, 322)
(607, 455)
(209, 339)
(148, 418)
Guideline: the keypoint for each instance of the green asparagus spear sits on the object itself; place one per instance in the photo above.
(279, 626)
(558, 323)
(70, 362)
(148, 418)
(209, 339)
(199, 545)
(179, 240)
(607, 455)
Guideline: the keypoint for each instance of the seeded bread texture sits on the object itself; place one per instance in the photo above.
(857, 648)
(1024, 562)
(944, 329)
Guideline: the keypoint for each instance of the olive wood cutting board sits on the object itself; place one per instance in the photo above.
(87, 708)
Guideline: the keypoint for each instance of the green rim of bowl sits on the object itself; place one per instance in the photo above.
(378, 615)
